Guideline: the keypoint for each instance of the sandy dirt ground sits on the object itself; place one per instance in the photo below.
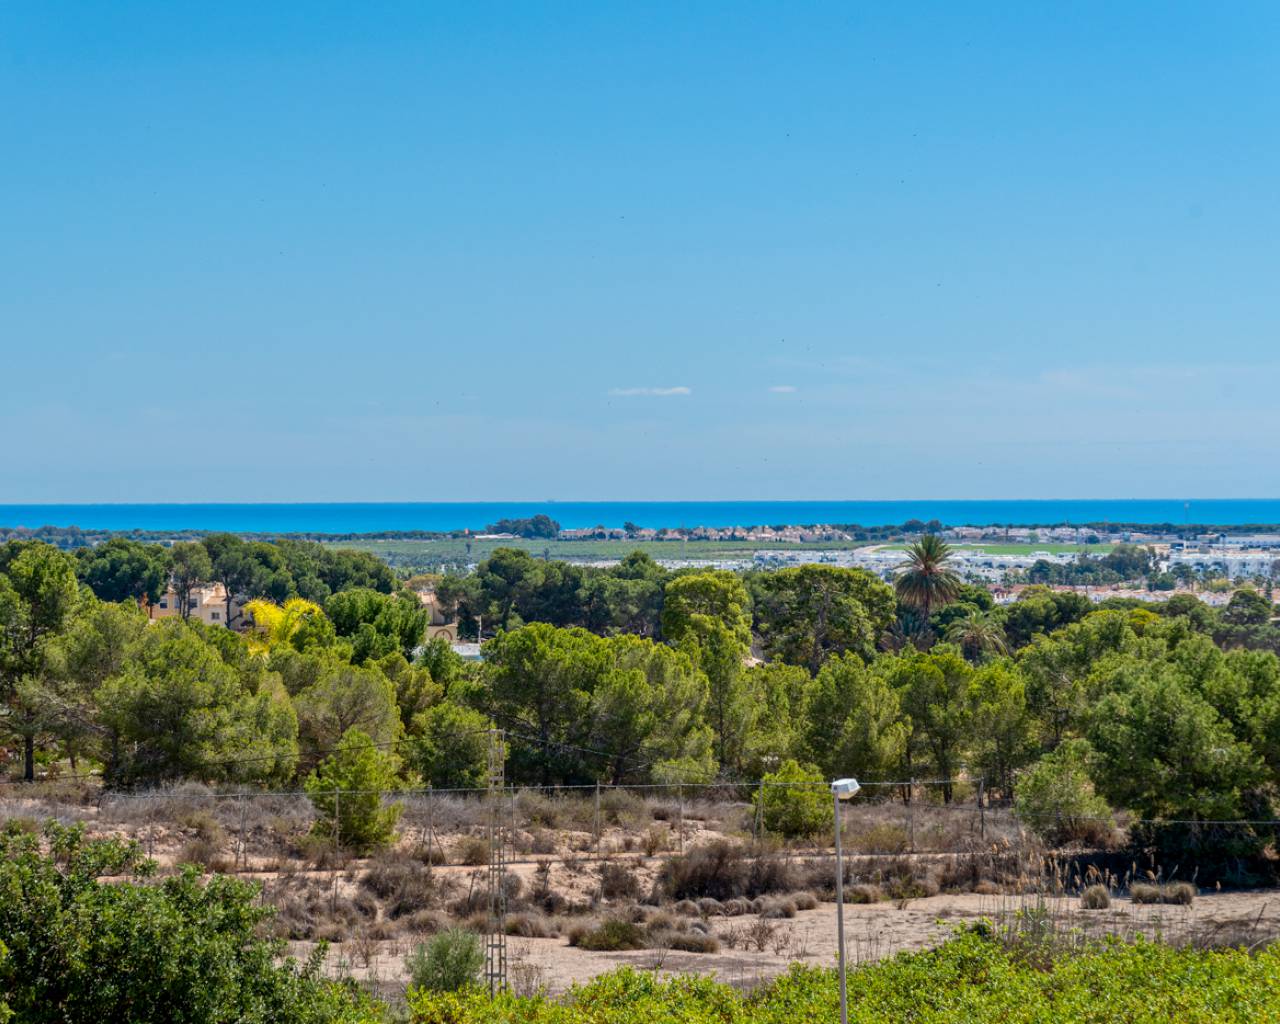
(871, 933)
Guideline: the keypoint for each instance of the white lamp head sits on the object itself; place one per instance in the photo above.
(845, 787)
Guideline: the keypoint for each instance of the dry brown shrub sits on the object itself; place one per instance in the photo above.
(884, 838)
(760, 932)
(206, 854)
(864, 893)
(805, 901)
(775, 910)
(402, 884)
(531, 926)
(722, 870)
(656, 840)
(689, 942)
(473, 851)
(1182, 893)
(617, 881)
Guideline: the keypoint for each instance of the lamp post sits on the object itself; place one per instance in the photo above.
(841, 789)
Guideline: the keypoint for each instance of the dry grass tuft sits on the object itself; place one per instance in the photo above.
(688, 942)
(1180, 893)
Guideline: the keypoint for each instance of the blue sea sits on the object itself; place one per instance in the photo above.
(373, 517)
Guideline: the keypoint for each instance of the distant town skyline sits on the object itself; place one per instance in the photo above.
(430, 252)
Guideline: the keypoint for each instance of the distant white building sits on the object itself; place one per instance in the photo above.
(1233, 563)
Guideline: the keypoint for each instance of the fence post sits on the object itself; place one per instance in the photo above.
(759, 823)
(982, 810)
(680, 814)
(337, 819)
(911, 814)
(597, 819)
(431, 829)
(514, 795)
(243, 850)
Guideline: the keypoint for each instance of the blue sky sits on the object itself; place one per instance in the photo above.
(430, 251)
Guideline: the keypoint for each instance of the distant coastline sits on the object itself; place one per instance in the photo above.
(444, 517)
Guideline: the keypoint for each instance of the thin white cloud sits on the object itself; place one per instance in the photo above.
(783, 389)
(650, 392)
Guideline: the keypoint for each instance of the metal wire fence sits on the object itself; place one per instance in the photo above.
(253, 830)
(258, 830)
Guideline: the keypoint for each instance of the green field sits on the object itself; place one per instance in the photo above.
(428, 554)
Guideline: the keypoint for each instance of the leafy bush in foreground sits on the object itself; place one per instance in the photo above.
(969, 980)
(82, 950)
(5, 1013)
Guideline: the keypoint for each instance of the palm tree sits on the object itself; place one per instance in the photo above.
(977, 636)
(274, 625)
(926, 583)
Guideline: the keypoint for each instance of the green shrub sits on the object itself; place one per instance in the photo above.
(1056, 800)
(451, 747)
(611, 935)
(86, 952)
(796, 801)
(347, 793)
(6, 1014)
(450, 961)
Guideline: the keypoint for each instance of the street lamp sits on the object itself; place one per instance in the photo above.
(841, 789)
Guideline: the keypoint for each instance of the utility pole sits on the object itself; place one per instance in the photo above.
(495, 959)
(841, 788)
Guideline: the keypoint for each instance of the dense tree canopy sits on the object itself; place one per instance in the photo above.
(631, 673)
(811, 612)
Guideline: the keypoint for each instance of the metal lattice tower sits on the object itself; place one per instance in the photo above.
(495, 947)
